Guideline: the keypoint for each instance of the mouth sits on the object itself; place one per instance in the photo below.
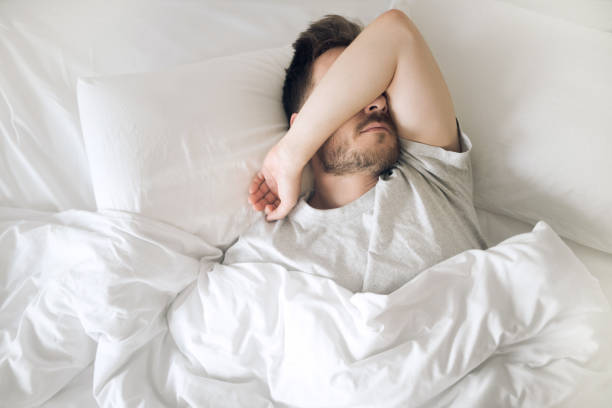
(375, 127)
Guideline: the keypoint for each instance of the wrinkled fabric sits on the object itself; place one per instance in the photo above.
(162, 323)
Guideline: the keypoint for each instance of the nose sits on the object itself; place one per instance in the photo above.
(378, 104)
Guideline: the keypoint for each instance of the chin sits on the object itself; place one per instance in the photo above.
(374, 138)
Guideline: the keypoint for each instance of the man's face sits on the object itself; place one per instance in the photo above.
(367, 142)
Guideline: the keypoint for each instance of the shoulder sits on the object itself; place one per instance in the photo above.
(424, 156)
(421, 166)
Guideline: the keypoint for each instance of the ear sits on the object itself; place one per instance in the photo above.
(292, 118)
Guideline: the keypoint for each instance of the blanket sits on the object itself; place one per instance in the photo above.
(160, 322)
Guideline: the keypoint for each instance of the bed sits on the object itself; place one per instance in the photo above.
(119, 120)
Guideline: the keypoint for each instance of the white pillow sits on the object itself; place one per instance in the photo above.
(589, 13)
(534, 93)
(531, 91)
(182, 145)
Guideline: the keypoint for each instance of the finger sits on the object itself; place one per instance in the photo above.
(256, 196)
(261, 191)
(280, 212)
(269, 208)
(259, 184)
(259, 206)
(256, 182)
(263, 202)
(270, 197)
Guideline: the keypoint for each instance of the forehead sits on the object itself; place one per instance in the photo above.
(323, 62)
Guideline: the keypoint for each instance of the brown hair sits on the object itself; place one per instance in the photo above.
(329, 32)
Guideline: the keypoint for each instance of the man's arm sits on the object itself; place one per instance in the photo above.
(391, 56)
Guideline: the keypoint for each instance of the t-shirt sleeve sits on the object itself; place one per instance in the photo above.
(450, 171)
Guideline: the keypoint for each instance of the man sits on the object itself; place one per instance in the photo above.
(392, 189)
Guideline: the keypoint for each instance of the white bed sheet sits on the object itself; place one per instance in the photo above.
(164, 323)
(497, 228)
(78, 393)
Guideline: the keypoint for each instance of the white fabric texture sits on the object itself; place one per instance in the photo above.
(533, 92)
(497, 228)
(589, 13)
(45, 46)
(182, 145)
(521, 322)
(84, 293)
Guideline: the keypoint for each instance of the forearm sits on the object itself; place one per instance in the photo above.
(359, 75)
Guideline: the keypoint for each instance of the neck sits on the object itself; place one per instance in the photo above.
(331, 191)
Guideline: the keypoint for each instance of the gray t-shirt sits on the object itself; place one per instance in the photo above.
(418, 214)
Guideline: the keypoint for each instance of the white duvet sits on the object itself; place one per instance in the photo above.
(164, 324)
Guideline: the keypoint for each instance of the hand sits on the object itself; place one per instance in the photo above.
(276, 187)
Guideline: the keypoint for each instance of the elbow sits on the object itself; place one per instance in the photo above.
(397, 20)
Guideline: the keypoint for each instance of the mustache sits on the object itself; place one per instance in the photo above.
(381, 117)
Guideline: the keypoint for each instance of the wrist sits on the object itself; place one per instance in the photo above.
(291, 153)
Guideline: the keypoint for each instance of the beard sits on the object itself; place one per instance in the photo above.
(339, 157)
